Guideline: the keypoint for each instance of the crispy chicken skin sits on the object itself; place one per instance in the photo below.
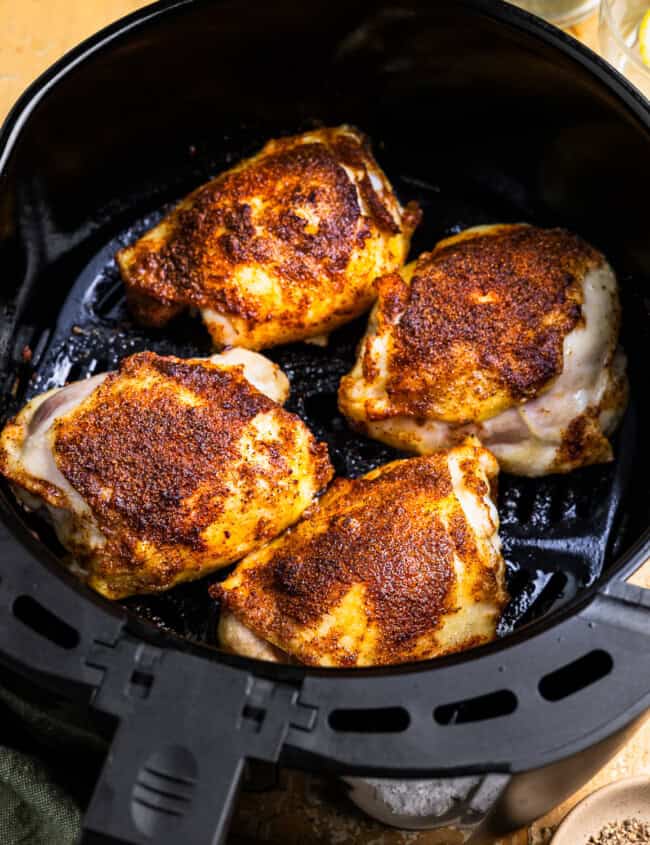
(401, 564)
(283, 247)
(507, 332)
(166, 469)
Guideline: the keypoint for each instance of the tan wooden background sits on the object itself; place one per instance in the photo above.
(33, 34)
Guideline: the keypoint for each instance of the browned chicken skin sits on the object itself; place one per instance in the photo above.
(166, 469)
(284, 246)
(402, 564)
(506, 332)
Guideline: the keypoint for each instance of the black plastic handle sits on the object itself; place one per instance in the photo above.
(167, 804)
(187, 727)
(174, 767)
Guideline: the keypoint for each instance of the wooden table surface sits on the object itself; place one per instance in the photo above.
(35, 33)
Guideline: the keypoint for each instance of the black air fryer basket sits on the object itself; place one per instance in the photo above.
(482, 114)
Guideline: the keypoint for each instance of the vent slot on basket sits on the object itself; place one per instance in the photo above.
(140, 684)
(109, 299)
(576, 676)
(375, 720)
(41, 620)
(479, 709)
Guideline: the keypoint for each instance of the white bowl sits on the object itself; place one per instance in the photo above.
(623, 799)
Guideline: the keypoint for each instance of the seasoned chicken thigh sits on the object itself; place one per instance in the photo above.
(509, 333)
(166, 469)
(402, 564)
(284, 246)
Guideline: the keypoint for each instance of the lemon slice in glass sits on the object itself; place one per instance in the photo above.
(644, 39)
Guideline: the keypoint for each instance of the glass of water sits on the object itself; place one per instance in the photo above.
(562, 13)
(619, 30)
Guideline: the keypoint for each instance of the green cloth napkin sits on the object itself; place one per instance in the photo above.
(34, 810)
(49, 759)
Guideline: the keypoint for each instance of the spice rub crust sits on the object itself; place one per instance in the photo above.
(479, 327)
(186, 467)
(283, 246)
(381, 569)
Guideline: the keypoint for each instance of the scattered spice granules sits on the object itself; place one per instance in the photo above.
(628, 832)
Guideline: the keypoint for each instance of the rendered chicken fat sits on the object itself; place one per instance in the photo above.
(402, 564)
(283, 247)
(166, 469)
(509, 333)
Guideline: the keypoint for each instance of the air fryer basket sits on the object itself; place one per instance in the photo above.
(482, 114)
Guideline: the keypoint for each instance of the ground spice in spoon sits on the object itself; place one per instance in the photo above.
(628, 832)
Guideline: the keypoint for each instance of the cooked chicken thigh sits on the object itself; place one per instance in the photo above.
(284, 246)
(509, 333)
(166, 469)
(402, 564)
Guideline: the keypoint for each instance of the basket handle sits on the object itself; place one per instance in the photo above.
(181, 793)
(188, 724)
(176, 760)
